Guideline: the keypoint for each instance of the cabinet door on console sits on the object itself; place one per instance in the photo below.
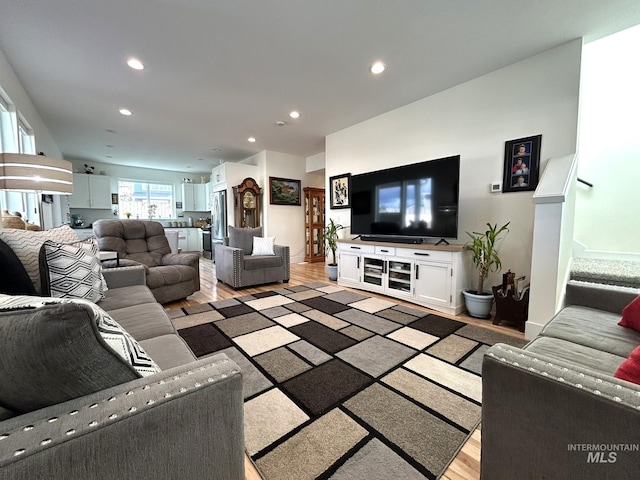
(433, 282)
(349, 267)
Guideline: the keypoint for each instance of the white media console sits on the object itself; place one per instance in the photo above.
(428, 275)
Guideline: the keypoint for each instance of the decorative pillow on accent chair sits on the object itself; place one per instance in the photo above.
(72, 270)
(263, 245)
(243, 238)
(54, 350)
(14, 279)
(26, 245)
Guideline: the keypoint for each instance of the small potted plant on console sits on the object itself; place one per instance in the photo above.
(330, 239)
(486, 260)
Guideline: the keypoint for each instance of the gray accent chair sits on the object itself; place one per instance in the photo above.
(553, 409)
(170, 276)
(237, 267)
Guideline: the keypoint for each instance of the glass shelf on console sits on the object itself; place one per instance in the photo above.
(400, 276)
(373, 270)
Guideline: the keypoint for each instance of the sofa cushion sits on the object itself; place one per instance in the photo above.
(116, 298)
(72, 270)
(54, 350)
(592, 328)
(263, 245)
(144, 321)
(575, 354)
(168, 351)
(169, 275)
(253, 262)
(629, 370)
(243, 238)
(14, 279)
(631, 315)
(26, 245)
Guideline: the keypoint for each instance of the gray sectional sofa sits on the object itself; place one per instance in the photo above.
(185, 422)
(554, 409)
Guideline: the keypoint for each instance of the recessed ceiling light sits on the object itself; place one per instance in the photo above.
(125, 111)
(109, 146)
(109, 130)
(109, 156)
(294, 114)
(377, 68)
(135, 64)
(217, 150)
(280, 123)
(251, 139)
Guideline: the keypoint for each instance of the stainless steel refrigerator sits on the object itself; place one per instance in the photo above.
(218, 219)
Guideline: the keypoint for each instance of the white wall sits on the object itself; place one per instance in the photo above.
(316, 162)
(17, 94)
(536, 96)
(606, 215)
(285, 222)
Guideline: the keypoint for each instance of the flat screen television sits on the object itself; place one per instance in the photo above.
(408, 202)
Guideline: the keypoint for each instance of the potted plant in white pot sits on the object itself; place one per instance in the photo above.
(330, 239)
(486, 260)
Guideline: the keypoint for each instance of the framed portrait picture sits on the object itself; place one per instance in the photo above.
(339, 191)
(521, 164)
(284, 191)
(114, 199)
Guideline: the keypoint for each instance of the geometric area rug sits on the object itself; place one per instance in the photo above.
(340, 385)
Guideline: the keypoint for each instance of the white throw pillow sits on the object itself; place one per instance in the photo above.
(263, 245)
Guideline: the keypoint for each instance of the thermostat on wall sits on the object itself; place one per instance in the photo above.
(495, 187)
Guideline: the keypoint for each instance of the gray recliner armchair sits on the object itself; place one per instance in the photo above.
(170, 276)
(237, 266)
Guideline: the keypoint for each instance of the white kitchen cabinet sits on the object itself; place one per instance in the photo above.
(194, 198)
(90, 191)
(428, 275)
(207, 196)
(219, 174)
(84, 233)
(194, 240)
(189, 239)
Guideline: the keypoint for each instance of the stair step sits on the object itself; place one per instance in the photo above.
(609, 272)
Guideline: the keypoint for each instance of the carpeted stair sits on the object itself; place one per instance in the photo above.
(621, 273)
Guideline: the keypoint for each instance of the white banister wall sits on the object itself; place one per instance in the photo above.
(554, 201)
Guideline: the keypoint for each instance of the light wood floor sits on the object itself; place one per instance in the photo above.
(466, 465)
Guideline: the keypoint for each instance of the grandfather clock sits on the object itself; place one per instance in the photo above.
(247, 203)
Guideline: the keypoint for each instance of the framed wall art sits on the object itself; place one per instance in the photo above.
(521, 164)
(284, 191)
(339, 191)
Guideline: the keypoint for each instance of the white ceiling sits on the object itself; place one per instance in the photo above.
(219, 71)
